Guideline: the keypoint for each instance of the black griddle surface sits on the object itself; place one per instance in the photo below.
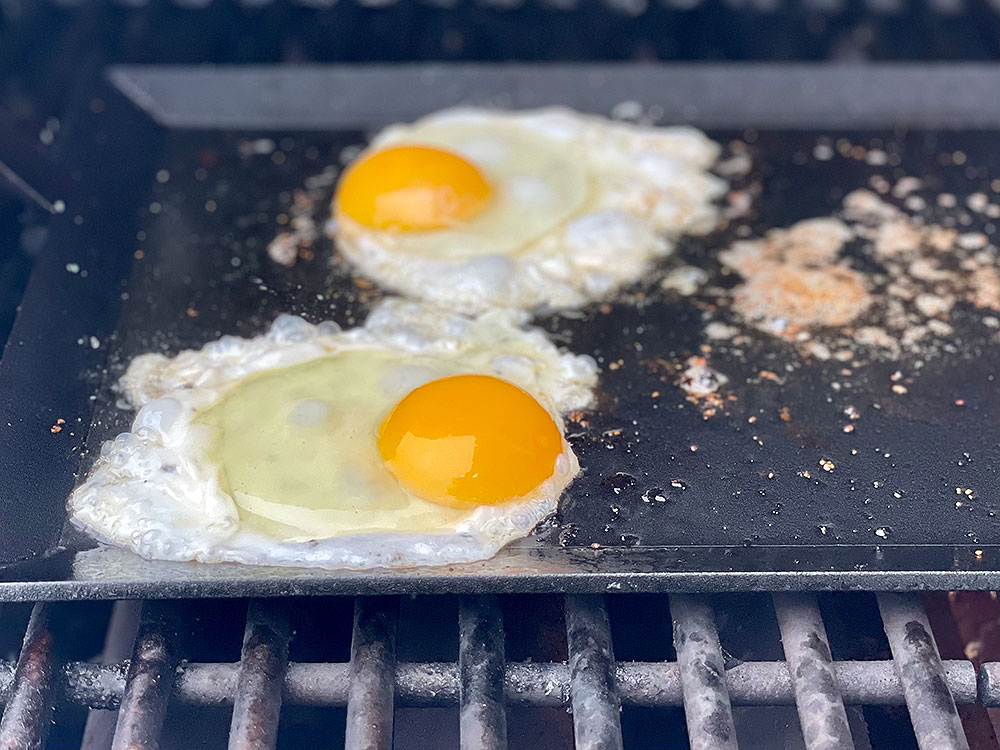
(666, 499)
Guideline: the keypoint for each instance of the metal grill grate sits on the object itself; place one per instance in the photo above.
(482, 683)
(630, 8)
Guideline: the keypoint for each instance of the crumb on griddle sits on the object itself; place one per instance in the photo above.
(701, 384)
(290, 246)
(685, 280)
(718, 331)
(284, 249)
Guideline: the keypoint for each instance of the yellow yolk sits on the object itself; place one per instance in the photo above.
(468, 440)
(412, 188)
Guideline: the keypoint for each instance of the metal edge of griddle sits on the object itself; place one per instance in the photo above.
(351, 97)
(362, 583)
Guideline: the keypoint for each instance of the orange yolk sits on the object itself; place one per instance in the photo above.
(412, 188)
(469, 440)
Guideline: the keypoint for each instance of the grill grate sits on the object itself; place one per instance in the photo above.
(590, 683)
(630, 8)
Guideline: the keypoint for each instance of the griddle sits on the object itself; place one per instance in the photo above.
(175, 181)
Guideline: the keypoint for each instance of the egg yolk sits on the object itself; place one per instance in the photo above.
(469, 440)
(412, 188)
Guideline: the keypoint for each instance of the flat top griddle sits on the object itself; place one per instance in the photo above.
(163, 248)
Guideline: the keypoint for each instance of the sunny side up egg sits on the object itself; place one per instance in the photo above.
(474, 209)
(420, 438)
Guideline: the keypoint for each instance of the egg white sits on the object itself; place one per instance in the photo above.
(156, 490)
(581, 205)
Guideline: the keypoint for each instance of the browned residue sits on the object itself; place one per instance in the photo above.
(785, 300)
(794, 279)
(798, 284)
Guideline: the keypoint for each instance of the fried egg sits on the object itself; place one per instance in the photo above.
(420, 438)
(473, 209)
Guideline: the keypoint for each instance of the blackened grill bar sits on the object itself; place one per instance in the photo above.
(814, 676)
(481, 663)
(262, 670)
(25, 718)
(149, 679)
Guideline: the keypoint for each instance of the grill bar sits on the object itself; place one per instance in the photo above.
(593, 688)
(25, 720)
(702, 673)
(372, 672)
(810, 664)
(947, 8)
(150, 679)
(119, 639)
(481, 661)
(989, 684)
(936, 723)
(652, 684)
(263, 663)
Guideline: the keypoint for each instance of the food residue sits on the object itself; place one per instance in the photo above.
(795, 280)
(809, 284)
(288, 246)
(701, 383)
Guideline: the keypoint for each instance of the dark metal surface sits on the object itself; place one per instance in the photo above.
(263, 663)
(593, 685)
(25, 721)
(936, 722)
(372, 672)
(723, 525)
(810, 663)
(481, 664)
(707, 707)
(265, 31)
(149, 681)
(45, 373)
